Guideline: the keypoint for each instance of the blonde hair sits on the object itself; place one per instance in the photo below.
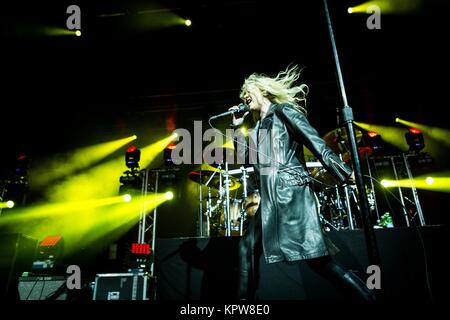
(280, 89)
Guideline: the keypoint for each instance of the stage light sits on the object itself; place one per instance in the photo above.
(385, 183)
(22, 166)
(132, 157)
(134, 137)
(78, 33)
(171, 146)
(168, 195)
(391, 135)
(149, 153)
(8, 204)
(435, 183)
(374, 142)
(387, 6)
(127, 197)
(439, 134)
(188, 22)
(414, 138)
(397, 119)
(167, 154)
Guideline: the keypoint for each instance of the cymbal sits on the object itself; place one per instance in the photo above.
(202, 177)
(337, 139)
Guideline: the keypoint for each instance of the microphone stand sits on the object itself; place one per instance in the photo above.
(347, 115)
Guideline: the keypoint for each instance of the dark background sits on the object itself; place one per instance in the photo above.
(120, 78)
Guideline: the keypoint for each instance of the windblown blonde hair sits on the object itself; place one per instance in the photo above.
(280, 89)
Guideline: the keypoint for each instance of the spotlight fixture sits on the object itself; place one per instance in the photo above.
(167, 154)
(132, 158)
(414, 138)
(374, 142)
(168, 195)
(22, 166)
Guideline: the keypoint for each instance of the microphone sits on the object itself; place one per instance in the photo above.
(242, 108)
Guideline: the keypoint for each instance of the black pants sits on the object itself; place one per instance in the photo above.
(250, 250)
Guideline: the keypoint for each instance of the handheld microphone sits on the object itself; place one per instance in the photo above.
(242, 108)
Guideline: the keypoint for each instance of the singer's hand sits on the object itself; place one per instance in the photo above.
(238, 118)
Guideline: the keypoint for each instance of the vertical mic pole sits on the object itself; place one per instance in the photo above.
(347, 115)
(200, 210)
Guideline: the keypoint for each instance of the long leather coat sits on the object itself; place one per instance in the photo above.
(291, 229)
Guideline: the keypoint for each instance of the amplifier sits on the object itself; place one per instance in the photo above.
(121, 286)
(42, 288)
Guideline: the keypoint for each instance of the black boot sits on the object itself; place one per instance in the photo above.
(346, 280)
(358, 286)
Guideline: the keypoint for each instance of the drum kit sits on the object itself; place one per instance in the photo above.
(226, 215)
(232, 198)
(337, 202)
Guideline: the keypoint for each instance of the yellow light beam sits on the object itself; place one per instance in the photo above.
(156, 18)
(55, 209)
(56, 31)
(441, 184)
(439, 134)
(59, 209)
(388, 6)
(101, 181)
(391, 135)
(8, 204)
(83, 228)
(66, 164)
(149, 153)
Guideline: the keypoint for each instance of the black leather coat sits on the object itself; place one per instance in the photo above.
(291, 229)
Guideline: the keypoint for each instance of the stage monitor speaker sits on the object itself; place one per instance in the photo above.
(43, 288)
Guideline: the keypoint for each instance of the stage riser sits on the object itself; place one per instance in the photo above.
(205, 268)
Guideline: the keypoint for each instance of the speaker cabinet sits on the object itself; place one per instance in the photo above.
(42, 288)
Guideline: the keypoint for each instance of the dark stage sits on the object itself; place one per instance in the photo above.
(205, 269)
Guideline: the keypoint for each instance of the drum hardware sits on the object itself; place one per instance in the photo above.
(222, 212)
